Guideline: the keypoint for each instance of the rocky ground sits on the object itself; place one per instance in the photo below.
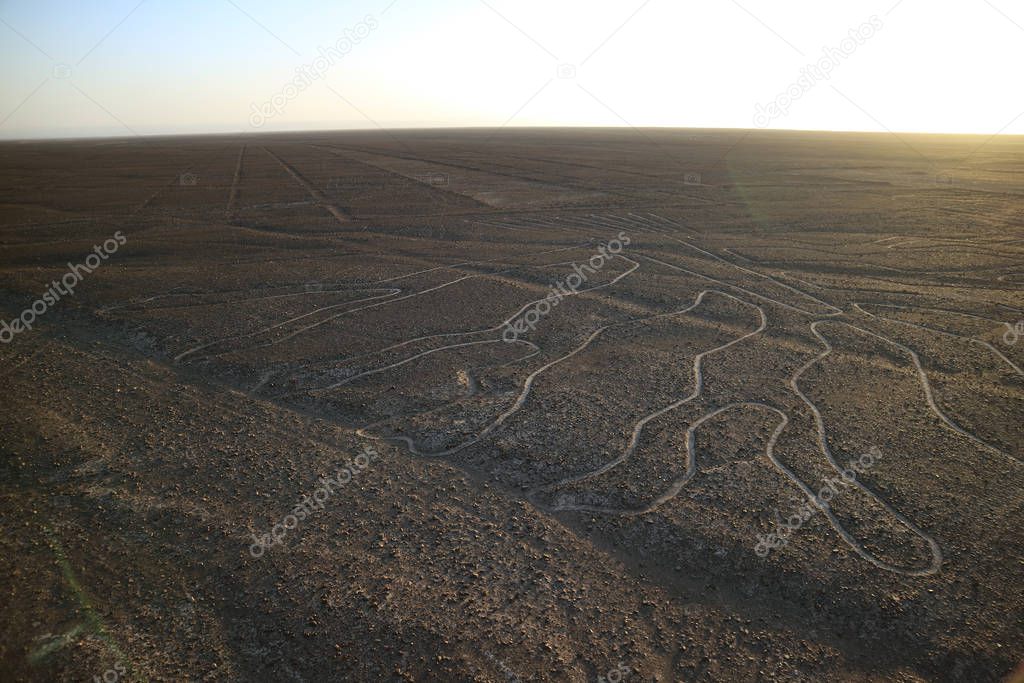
(556, 405)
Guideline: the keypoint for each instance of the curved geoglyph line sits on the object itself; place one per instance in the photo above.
(410, 359)
(698, 388)
(265, 378)
(391, 292)
(649, 224)
(691, 464)
(527, 386)
(391, 298)
(267, 297)
(736, 287)
(833, 310)
(822, 437)
(494, 328)
(922, 376)
(336, 288)
(973, 340)
(691, 468)
(634, 266)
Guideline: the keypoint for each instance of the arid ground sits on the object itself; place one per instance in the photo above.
(511, 405)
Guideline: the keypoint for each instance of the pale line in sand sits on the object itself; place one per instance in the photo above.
(131, 303)
(698, 388)
(497, 327)
(823, 445)
(348, 287)
(341, 216)
(833, 309)
(412, 447)
(922, 376)
(647, 226)
(826, 450)
(730, 252)
(972, 340)
(936, 552)
(390, 292)
(267, 376)
(410, 359)
(678, 485)
(732, 286)
(233, 194)
(494, 328)
(691, 466)
(525, 392)
(533, 376)
(359, 287)
(226, 302)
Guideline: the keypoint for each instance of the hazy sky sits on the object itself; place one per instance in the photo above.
(113, 67)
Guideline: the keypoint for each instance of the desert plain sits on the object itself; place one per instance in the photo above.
(513, 405)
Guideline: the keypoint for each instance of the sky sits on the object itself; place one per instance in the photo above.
(125, 67)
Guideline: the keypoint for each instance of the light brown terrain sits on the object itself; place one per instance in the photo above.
(569, 484)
